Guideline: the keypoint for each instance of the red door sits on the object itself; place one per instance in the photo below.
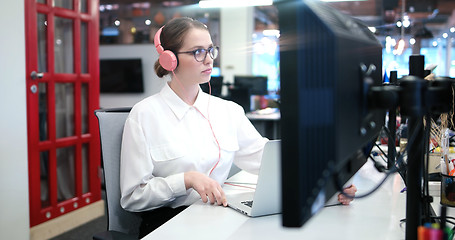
(62, 92)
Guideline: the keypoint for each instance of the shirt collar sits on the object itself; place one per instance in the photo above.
(202, 102)
(179, 107)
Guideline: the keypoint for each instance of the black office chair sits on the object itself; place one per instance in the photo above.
(121, 223)
(216, 84)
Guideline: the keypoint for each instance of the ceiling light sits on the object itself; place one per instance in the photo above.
(172, 3)
(372, 29)
(406, 23)
(343, 0)
(233, 3)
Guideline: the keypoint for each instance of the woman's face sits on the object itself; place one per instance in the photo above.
(189, 70)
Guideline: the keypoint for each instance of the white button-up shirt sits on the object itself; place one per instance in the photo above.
(165, 137)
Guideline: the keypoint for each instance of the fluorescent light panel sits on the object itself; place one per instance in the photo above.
(233, 3)
(343, 0)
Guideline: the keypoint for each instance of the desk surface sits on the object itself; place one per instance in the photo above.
(375, 217)
(275, 116)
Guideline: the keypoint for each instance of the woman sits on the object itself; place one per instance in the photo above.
(179, 145)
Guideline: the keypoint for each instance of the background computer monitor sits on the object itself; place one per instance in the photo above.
(257, 85)
(325, 121)
(121, 76)
(216, 84)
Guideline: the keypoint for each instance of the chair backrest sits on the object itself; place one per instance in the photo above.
(111, 122)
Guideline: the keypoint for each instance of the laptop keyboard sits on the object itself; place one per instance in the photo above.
(248, 203)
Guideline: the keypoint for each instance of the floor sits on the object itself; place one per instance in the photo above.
(87, 230)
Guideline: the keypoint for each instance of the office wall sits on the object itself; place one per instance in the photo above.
(152, 84)
(237, 26)
(14, 206)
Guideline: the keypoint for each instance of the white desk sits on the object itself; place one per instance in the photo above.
(275, 116)
(375, 217)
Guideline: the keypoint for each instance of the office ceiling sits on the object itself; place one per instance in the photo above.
(435, 16)
(163, 2)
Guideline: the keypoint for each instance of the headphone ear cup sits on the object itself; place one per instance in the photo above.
(168, 60)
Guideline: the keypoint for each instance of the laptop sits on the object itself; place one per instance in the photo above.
(266, 199)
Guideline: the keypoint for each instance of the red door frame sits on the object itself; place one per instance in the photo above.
(35, 146)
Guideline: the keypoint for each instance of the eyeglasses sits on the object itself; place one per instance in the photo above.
(200, 54)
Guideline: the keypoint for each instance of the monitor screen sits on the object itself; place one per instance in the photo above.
(326, 127)
(216, 72)
(256, 84)
(121, 76)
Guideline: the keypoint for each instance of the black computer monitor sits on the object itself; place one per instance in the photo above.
(121, 76)
(216, 85)
(328, 60)
(257, 85)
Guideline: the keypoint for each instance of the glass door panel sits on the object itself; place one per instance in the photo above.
(42, 42)
(85, 169)
(42, 111)
(84, 68)
(44, 179)
(83, 6)
(84, 108)
(63, 4)
(64, 109)
(63, 46)
(65, 173)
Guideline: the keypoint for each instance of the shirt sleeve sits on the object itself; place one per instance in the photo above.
(140, 190)
(251, 144)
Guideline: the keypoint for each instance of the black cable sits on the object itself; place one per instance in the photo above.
(376, 164)
(447, 217)
(390, 172)
(397, 155)
(383, 153)
(389, 136)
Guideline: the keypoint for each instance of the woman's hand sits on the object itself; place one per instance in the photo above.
(209, 189)
(351, 190)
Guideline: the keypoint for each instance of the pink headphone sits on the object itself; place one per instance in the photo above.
(167, 59)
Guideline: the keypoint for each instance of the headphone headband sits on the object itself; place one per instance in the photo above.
(167, 58)
(157, 41)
